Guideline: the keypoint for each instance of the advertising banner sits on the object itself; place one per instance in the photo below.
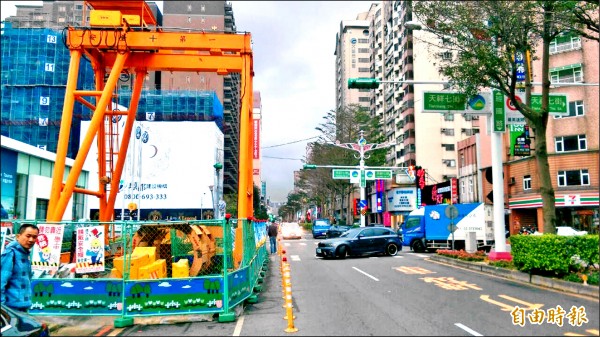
(256, 139)
(169, 165)
(90, 250)
(46, 251)
(520, 143)
(8, 166)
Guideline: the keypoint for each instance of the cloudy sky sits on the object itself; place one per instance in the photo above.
(294, 68)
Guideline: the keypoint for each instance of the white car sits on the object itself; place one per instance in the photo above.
(568, 231)
(291, 230)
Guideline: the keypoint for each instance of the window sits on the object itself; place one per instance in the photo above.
(526, 182)
(61, 19)
(470, 185)
(570, 143)
(364, 99)
(448, 147)
(363, 50)
(62, 8)
(565, 42)
(363, 70)
(363, 40)
(449, 162)
(573, 178)
(364, 60)
(449, 117)
(575, 109)
(446, 55)
(41, 208)
(567, 74)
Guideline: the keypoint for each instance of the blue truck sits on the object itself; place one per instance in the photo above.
(428, 228)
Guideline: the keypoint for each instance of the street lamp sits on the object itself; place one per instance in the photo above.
(218, 166)
(201, 204)
(212, 198)
(361, 147)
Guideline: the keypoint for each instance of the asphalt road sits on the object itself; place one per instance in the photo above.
(403, 295)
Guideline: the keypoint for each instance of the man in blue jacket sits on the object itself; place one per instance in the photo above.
(16, 269)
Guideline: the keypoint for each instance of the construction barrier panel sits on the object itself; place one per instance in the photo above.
(147, 268)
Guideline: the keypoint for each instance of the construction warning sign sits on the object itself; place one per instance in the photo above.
(46, 251)
(90, 249)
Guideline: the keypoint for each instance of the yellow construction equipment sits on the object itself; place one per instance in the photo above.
(120, 43)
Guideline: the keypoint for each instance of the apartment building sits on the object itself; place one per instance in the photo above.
(352, 59)
(572, 146)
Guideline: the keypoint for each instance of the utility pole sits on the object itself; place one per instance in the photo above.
(361, 147)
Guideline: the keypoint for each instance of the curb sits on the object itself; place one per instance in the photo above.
(547, 282)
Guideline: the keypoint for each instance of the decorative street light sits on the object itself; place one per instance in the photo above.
(361, 147)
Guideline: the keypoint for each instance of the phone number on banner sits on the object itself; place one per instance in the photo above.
(148, 196)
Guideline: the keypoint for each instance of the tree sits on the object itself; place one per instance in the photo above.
(485, 36)
(231, 203)
(260, 211)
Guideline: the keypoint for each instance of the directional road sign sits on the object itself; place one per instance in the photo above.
(454, 102)
(557, 103)
(378, 174)
(341, 174)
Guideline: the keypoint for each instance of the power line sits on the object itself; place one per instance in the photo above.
(296, 141)
(282, 158)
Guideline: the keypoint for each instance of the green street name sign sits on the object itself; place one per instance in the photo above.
(341, 174)
(363, 180)
(379, 174)
(443, 101)
(454, 102)
(499, 115)
(557, 103)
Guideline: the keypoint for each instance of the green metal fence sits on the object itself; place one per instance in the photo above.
(149, 268)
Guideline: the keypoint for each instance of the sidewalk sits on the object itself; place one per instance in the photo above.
(102, 325)
(566, 286)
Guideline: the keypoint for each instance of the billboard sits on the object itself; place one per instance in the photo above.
(440, 193)
(8, 166)
(169, 165)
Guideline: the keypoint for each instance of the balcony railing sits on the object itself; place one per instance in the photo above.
(563, 47)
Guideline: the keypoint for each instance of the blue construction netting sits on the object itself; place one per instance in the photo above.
(177, 105)
(35, 67)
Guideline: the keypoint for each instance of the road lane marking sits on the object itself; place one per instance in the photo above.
(302, 243)
(467, 329)
(414, 270)
(238, 326)
(360, 271)
(295, 257)
(530, 306)
(398, 257)
(287, 244)
(508, 307)
(421, 255)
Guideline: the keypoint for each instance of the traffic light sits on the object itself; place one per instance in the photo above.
(309, 167)
(363, 83)
(488, 178)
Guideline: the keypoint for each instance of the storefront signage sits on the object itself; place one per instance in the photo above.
(401, 199)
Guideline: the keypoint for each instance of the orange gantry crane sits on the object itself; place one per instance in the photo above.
(123, 37)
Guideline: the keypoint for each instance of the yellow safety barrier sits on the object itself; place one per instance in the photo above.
(288, 299)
